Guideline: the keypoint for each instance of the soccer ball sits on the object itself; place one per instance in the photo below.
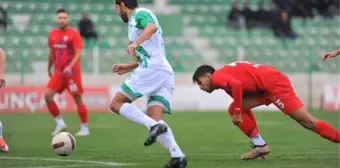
(63, 144)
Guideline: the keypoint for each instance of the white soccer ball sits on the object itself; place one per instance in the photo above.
(63, 144)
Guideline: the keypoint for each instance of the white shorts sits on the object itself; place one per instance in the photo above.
(157, 85)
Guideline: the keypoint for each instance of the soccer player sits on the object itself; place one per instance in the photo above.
(331, 54)
(152, 76)
(3, 145)
(65, 46)
(252, 85)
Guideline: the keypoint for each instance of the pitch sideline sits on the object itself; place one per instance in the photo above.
(90, 162)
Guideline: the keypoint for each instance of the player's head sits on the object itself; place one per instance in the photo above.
(62, 18)
(124, 7)
(203, 77)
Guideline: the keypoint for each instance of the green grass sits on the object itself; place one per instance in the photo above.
(208, 139)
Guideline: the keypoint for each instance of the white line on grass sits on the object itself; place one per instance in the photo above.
(71, 161)
(55, 166)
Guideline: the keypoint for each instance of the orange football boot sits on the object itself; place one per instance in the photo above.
(3, 145)
(257, 152)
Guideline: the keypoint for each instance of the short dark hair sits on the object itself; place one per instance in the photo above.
(131, 4)
(61, 10)
(202, 70)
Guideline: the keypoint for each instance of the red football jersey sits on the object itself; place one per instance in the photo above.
(63, 44)
(243, 78)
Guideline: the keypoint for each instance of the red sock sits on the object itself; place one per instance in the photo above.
(82, 112)
(53, 108)
(327, 131)
(247, 126)
(252, 117)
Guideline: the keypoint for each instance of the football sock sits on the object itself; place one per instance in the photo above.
(84, 127)
(82, 112)
(0, 129)
(327, 131)
(247, 125)
(132, 113)
(168, 141)
(53, 108)
(59, 120)
(258, 140)
(252, 117)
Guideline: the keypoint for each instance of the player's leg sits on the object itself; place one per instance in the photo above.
(290, 104)
(159, 103)
(55, 85)
(132, 89)
(249, 127)
(3, 145)
(74, 86)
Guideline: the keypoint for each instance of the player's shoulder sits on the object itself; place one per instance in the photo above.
(143, 11)
(53, 31)
(72, 30)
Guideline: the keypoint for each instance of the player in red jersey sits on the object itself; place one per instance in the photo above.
(3, 145)
(252, 85)
(331, 54)
(65, 46)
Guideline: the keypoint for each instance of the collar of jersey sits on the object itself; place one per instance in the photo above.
(133, 13)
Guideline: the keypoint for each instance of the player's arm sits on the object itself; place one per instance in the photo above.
(331, 54)
(50, 57)
(144, 21)
(2, 67)
(2, 63)
(77, 47)
(229, 83)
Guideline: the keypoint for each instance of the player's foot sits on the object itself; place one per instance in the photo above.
(264, 157)
(258, 151)
(83, 132)
(155, 131)
(58, 129)
(3, 146)
(176, 163)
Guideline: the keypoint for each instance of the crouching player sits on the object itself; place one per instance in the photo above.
(3, 145)
(252, 85)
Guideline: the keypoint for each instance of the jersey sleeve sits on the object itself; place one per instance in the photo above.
(225, 81)
(142, 19)
(77, 41)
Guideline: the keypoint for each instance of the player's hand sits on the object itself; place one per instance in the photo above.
(67, 70)
(330, 54)
(121, 68)
(2, 83)
(131, 49)
(237, 118)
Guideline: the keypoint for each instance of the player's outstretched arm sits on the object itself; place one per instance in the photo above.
(2, 67)
(331, 54)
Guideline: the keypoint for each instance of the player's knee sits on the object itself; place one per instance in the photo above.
(48, 96)
(115, 106)
(230, 109)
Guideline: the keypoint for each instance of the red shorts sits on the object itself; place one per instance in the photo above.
(282, 95)
(59, 82)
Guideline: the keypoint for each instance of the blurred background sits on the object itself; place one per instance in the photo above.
(289, 34)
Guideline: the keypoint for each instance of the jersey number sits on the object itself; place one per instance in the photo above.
(255, 65)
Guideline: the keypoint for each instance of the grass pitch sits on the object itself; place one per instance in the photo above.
(209, 140)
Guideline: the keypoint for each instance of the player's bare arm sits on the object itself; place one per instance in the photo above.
(76, 58)
(121, 69)
(331, 54)
(149, 30)
(50, 62)
(2, 67)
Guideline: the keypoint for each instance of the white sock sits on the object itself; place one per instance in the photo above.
(60, 122)
(168, 142)
(258, 140)
(0, 129)
(132, 113)
(84, 127)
